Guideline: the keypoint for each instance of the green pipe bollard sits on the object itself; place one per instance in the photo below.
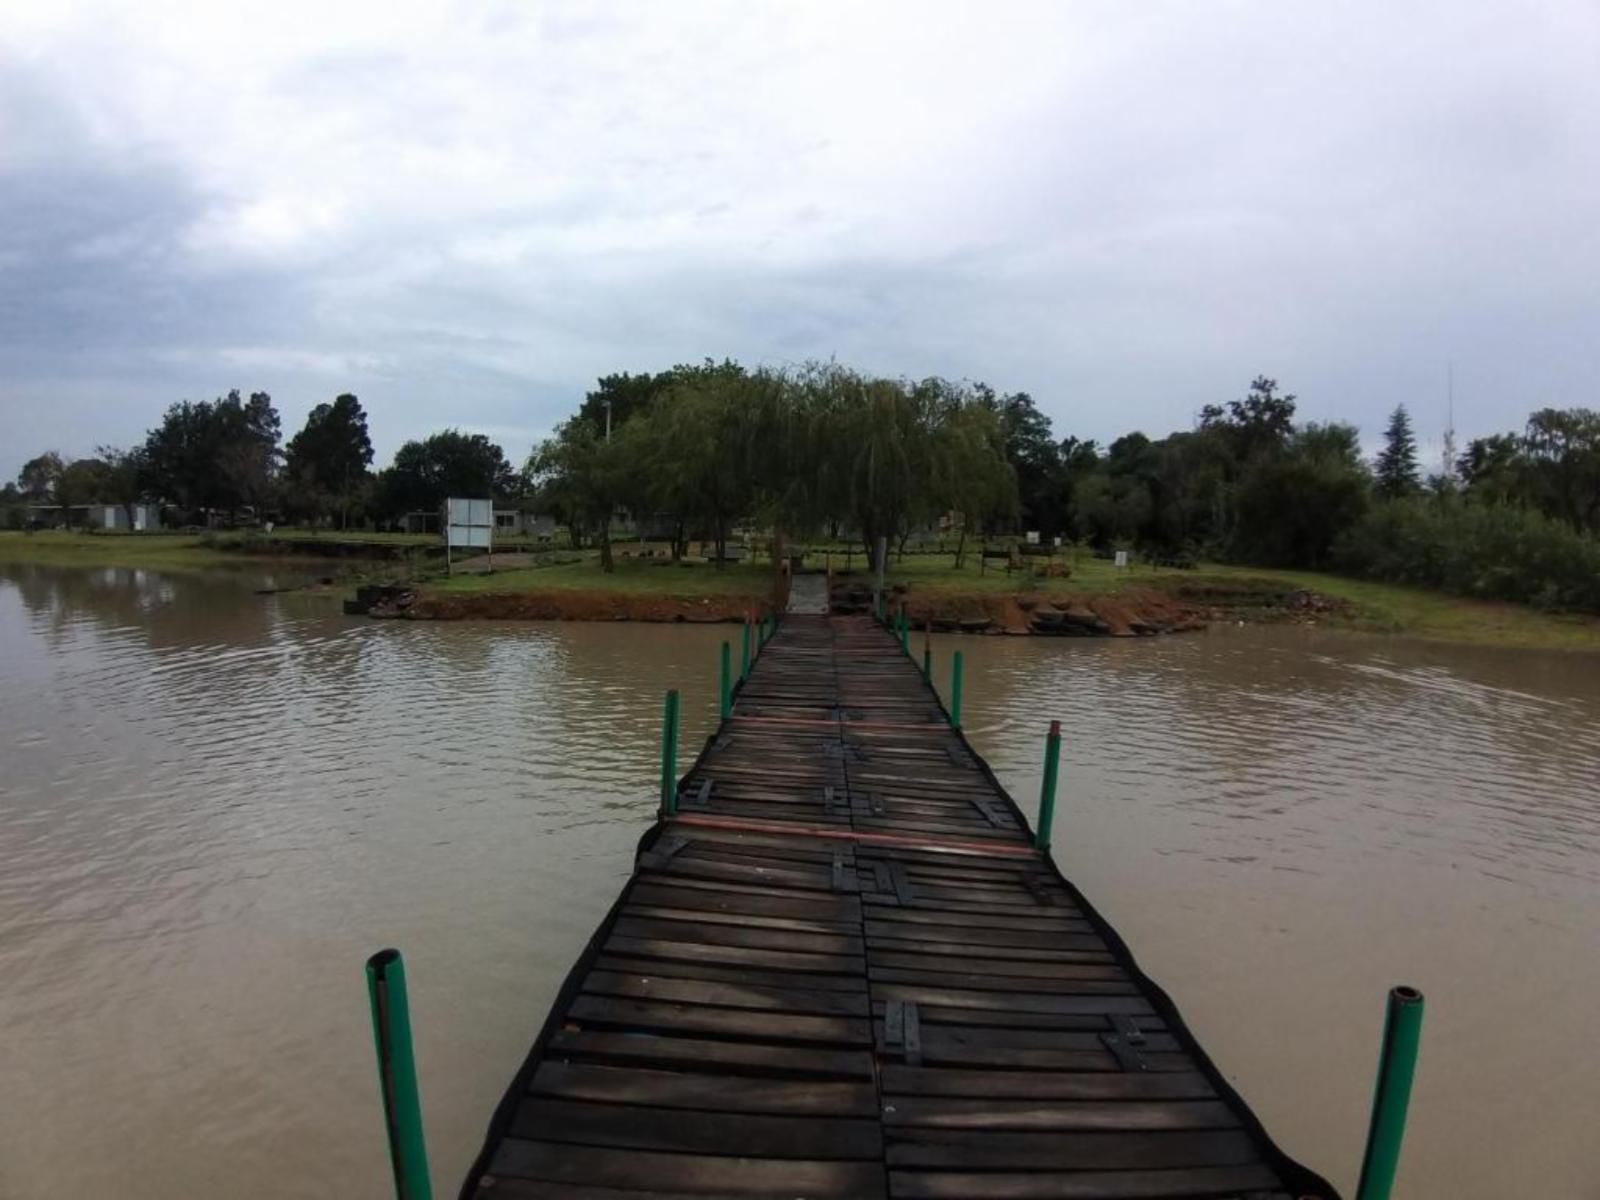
(669, 755)
(927, 663)
(1047, 791)
(727, 681)
(744, 649)
(397, 1075)
(955, 689)
(905, 633)
(1397, 1065)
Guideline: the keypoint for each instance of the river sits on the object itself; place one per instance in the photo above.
(217, 803)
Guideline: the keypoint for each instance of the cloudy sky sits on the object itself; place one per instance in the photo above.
(464, 213)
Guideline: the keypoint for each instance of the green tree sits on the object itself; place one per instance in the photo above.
(1294, 505)
(216, 454)
(328, 459)
(1562, 447)
(426, 473)
(1035, 460)
(1396, 468)
(971, 475)
(581, 477)
(1494, 468)
(39, 476)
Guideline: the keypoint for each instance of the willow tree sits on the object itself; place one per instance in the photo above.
(697, 449)
(970, 475)
(874, 451)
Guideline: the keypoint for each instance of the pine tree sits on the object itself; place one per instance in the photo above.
(1397, 472)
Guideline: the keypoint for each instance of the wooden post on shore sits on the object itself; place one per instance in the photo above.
(927, 651)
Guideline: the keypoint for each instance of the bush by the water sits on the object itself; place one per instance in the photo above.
(1490, 551)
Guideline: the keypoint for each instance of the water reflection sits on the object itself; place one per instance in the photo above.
(216, 803)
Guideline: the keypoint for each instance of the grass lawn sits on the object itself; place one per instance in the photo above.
(654, 578)
(1417, 612)
(1377, 607)
(153, 550)
(930, 572)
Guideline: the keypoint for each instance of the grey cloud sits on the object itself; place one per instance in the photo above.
(1345, 200)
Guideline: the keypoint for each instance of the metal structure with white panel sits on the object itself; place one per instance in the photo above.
(468, 524)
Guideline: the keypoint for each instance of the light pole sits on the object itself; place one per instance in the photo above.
(608, 420)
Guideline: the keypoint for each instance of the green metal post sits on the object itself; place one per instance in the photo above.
(905, 632)
(744, 649)
(927, 651)
(1047, 791)
(1397, 1064)
(669, 755)
(955, 689)
(727, 681)
(397, 1075)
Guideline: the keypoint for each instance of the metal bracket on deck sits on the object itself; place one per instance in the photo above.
(1128, 1028)
(902, 1026)
(1038, 891)
(1128, 1057)
(661, 853)
(902, 884)
(831, 800)
(988, 813)
(702, 795)
(880, 878)
(844, 880)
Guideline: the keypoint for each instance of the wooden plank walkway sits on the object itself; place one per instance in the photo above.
(843, 971)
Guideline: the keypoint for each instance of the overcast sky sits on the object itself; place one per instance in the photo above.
(464, 214)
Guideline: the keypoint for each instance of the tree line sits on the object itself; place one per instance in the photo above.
(822, 450)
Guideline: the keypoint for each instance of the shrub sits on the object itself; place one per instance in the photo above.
(1490, 551)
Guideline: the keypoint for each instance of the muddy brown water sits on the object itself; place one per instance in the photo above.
(216, 804)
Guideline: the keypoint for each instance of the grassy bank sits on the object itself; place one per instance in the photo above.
(163, 551)
(1369, 607)
(1416, 612)
(632, 578)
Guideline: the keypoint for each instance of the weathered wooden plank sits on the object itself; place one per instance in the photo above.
(649, 1171)
(961, 1112)
(712, 1092)
(728, 995)
(1185, 1184)
(1019, 1002)
(994, 1149)
(606, 1012)
(740, 974)
(1042, 1085)
(663, 1050)
(639, 1127)
(782, 960)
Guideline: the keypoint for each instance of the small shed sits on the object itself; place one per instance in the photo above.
(137, 518)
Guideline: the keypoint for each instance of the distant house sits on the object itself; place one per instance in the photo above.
(420, 521)
(513, 522)
(137, 518)
(125, 517)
